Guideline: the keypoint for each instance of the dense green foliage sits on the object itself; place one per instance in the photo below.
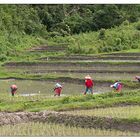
(68, 19)
(19, 29)
(23, 26)
(124, 37)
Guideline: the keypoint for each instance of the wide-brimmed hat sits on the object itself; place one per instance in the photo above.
(87, 77)
(13, 86)
(111, 85)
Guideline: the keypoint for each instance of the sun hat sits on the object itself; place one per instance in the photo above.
(57, 85)
(111, 85)
(13, 86)
(87, 77)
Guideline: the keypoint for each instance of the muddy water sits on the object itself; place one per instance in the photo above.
(31, 87)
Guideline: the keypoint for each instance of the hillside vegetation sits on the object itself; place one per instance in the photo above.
(123, 37)
(85, 28)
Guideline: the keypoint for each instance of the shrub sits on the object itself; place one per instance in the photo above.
(102, 34)
(93, 50)
(118, 41)
(3, 57)
(117, 48)
(125, 23)
(135, 46)
(54, 34)
(106, 49)
(138, 26)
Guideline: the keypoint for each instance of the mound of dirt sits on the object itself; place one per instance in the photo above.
(13, 118)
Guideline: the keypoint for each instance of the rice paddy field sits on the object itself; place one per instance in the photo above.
(128, 112)
(49, 129)
(105, 113)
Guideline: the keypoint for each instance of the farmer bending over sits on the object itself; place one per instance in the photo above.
(137, 78)
(117, 86)
(88, 84)
(13, 89)
(57, 89)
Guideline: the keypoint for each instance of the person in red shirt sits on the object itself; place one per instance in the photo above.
(88, 84)
(13, 89)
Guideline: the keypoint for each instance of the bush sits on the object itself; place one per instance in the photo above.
(135, 46)
(106, 49)
(125, 23)
(93, 50)
(3, 57)
(117, 48)
(54, 34)
(118, 41)
(138, 26)
(102, 34)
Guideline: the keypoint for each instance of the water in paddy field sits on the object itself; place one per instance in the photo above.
(31, 87)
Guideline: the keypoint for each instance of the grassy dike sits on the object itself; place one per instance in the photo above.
(40, 102)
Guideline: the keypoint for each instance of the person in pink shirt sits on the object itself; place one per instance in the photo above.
(13, 89)
(57, 89)
(117, 86)
(137, 78)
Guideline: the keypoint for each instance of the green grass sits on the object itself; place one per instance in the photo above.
(40, 102)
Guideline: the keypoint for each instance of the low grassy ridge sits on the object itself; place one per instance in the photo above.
(40, 102)
(36, 62)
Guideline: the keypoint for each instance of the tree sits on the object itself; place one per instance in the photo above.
(107, 17)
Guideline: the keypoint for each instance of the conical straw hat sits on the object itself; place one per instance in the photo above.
(87, 77)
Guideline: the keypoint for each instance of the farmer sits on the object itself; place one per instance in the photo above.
(137, 78)
(88, 84)
(57, 89)
(117, 86)
(13, 89)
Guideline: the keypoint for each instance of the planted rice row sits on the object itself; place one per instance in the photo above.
(49, 129)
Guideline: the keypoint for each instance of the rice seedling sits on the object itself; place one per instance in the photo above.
(129, 112)
(49, 129)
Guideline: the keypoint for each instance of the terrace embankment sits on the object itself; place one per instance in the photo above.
(48, 48)
(124, 54)
(63, 65)
(71, 120)
(97, 57)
